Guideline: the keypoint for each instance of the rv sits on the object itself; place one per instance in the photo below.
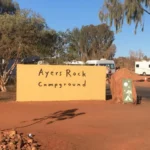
(74, 62)
(103, 62)
(142, 67)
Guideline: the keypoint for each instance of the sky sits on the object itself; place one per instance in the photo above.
(67, 14)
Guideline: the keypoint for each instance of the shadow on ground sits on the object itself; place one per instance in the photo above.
(108, 93)
(108, 97)
(56, 116)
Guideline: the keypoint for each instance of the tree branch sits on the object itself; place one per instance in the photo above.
(145, 10)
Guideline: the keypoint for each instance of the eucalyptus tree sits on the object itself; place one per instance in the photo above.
(23, 34)
(115, 12)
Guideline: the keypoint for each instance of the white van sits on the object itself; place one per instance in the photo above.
(74, 62)
(103, 62)
(142, 67)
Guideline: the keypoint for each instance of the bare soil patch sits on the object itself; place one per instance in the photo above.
(80, 125)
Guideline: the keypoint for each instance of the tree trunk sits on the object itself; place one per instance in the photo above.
(5, 77)
(2, 85)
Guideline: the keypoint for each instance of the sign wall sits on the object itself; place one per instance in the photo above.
(60, 82)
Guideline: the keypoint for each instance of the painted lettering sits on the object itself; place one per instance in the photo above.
(83, 74)
(56, 85)
(68, 72)
(84, 84)
(46, 74)
(41, 72)
(60, 85)
(40, 84)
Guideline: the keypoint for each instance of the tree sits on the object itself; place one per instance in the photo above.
(145, 58)
(60, 45)
(95, 40)
(110, 52)
(22, 34)
(89, 42)
(116, 11)
(47, 40)
(8, 6)
(136, 55)
(59, 48)
(73, 48)
(65, 48)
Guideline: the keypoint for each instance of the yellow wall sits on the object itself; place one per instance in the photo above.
(60, 82)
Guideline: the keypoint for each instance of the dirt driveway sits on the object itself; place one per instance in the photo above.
(142, 84)
(90, 125)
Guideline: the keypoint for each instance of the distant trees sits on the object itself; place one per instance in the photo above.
(91, 42)
(136, 55)
(129, 62)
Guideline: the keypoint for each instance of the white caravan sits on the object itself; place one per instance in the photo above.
(103, 62)
(74, 62)
(142, 67)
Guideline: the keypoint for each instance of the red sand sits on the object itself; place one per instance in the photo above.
(142, 84)
(104, 126)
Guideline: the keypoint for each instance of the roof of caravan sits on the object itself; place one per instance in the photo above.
(143, 61)
(99, 61)
(74, 62)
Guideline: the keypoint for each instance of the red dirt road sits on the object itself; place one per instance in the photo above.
(104, 126)
(142, 84)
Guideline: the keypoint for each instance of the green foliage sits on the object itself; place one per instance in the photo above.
(26, 33)
(47, 40)
(73, 49)
(64, 47)
(94, 41)
(60, 45)
(89, 42)
(23, 34)
(110, 52)
(114, 12)
(8, 6)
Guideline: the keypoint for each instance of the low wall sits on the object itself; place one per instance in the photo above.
(60, 83)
